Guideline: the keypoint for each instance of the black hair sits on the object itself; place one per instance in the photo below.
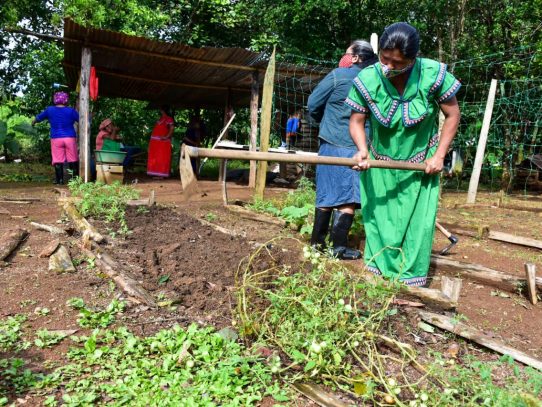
(401, 36)
(364, 51)
(167, 110)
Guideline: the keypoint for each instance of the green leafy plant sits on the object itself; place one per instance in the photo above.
(15, 378)
(210, 217)
(89, 318)
(10, 334)
(193, 366)
(105, 202)
(46, 338)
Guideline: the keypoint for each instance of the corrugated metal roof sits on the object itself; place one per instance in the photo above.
(168, 73)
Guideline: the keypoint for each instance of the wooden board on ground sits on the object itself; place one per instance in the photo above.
(81, 224)
(520, 240)
(475, 335)
(315, 393)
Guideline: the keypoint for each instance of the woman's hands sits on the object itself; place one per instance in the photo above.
(361, 157)
(434, 165)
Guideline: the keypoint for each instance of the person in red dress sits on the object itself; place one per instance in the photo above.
(159, 161)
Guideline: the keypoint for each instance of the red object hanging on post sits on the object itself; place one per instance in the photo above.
(93, 84)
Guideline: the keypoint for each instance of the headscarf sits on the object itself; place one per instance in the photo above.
(61, 98)
(105, 123)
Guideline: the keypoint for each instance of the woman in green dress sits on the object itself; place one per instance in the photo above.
(401, 97)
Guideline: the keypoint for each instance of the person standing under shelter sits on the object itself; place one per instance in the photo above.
(159, 158)
(401, 97)
(62, 118)
(337, 187)
(195, 133)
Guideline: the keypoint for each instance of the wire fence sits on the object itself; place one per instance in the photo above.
(512, 158)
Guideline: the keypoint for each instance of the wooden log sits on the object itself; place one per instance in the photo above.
(152, 198)
(50, 248)
(61, 261)
(81, 224)
(479, 273)
(19, 199)
(137, 202)
(315, 393)
(47, 228)
(519, 240)
(451, 287)
(520, 208)
(222, 229)
(15, 202)
(123, 281)
(10, 240)
(530, 275)
(248, 214)
(430, 296)
(475, 335)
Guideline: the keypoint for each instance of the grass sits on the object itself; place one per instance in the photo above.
(211, 168)
(25, 172)
(102, 201)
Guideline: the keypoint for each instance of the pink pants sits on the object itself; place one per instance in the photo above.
(63, 150)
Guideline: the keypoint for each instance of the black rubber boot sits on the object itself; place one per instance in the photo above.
(320, 228)
(59, 174)
(74, 168)
(342, 222)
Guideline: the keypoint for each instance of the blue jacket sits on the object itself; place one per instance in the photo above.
(61, 119)
(326, 106)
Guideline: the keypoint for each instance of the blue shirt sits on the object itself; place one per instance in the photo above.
(61, 119)
(326, 106)
(292, 125)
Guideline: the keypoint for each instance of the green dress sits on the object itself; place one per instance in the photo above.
(399, 207)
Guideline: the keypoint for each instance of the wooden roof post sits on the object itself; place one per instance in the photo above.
(254, 96)
(84, 116)
(228, 111)
(265, 127)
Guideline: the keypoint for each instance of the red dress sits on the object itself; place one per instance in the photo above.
(159, 162)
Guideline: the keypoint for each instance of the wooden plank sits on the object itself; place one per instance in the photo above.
(530, 275)
(451, 287)
(478, 273)
(254, 97)
(265, 126)
(10, 240)
(519, 240)
(520, 208)
(84, 114)
(475, 335)
(7, 198)
(430, 296)
(477, 233)
(480, 150)
(248, 214)
(49, 249)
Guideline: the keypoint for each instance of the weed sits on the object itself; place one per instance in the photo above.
(46, 338)
(142, 209)
(42, 311)
(76, 303)
(15, 379)
(26, 303)
(210, 217)
(98, 319)
(163, 279)
(193, 366)
(105, 202)
(10, 334)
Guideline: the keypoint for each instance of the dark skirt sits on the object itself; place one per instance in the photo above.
(336, 185)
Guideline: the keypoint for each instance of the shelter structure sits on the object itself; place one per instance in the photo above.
(167, 73)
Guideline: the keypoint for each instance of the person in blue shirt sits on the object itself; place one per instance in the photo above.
(293, 126)
(63, 137)
(337, 188)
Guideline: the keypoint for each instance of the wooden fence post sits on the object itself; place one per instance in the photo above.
(265, 124)
(254, 96)
(480, 151)
(84, 122)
